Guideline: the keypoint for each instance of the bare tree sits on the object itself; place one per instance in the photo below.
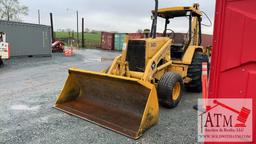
(12, 10)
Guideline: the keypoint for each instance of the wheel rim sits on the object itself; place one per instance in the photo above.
(176, 91)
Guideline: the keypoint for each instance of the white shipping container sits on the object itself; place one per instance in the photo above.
(27, 39)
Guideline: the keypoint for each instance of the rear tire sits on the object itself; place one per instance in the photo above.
(170, 89)
(195, 72)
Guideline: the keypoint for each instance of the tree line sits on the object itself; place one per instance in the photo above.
(12, 10)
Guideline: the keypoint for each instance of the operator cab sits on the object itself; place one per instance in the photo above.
(180, 42)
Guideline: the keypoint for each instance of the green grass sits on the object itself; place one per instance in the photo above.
(88, 36)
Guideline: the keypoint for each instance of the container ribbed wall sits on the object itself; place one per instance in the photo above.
(27, 39)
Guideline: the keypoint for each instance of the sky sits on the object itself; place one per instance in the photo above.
(112, 15)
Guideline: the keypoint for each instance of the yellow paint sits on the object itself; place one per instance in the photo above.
(176, 91)
(149, 72)
(153, 46)
(163, 11)
(180, 69)
(151, 113)
(137, 75)
(188, 56)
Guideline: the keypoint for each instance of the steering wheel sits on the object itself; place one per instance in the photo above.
(170, 35)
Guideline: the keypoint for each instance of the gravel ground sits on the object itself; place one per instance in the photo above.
(28, 90)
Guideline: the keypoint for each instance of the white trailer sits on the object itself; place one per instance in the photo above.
(4, 48)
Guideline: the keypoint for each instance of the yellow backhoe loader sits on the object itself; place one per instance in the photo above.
(125, 97)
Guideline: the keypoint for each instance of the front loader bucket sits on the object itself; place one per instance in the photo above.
(125, 105)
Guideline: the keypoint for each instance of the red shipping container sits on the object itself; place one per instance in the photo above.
(179, 37)
(107, 40)
(140, 35)
(206, 40)
(233, 67)
(135, 35)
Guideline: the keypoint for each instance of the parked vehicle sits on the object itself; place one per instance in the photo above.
(58, 46)
(4, 48)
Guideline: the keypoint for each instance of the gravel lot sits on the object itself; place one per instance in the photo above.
(28, 90)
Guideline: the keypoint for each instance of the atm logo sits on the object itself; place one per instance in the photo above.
(225, 120)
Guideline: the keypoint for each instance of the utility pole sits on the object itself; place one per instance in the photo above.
(83, 45)
(8, 15)
(77, 28)
(51, 19)
(38, 12)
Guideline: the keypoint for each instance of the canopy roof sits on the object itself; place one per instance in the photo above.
(177, 12)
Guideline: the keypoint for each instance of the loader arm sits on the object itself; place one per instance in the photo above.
(120, 67)
(151, 67)
(114, 66)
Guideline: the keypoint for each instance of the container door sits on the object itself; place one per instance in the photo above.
(122, 41)
(110, 44)
(117, 40)
(233, 69)
(107, 40)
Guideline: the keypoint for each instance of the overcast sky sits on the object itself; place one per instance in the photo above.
(111, 15)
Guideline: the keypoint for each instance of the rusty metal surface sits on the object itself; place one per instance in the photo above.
(206, 40)
(107, 40)
(116, 104)
(135, 35)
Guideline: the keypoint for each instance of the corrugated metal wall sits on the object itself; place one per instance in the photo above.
(107, 40)
(119, 41)
(27, 39)
(206, 39)
(112, 41)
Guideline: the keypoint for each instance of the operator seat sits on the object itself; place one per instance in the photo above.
(177, 48)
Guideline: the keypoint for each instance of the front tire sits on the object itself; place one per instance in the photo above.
(170, 89)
